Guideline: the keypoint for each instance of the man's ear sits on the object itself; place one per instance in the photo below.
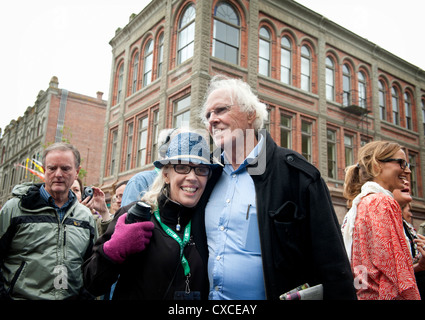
(78, 171)
(251, 116)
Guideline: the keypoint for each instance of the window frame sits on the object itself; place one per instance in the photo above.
(286, 129)
(423, 112)
(382, 95)
(408, 110)
(349, 149)
(181, 114)
(119, 82)
(330, 85)
(217, 20)
(414, 174)
(289, 50)
(160, 54)
(135, 61)
(306, 60)
(395, 105)
(362, 89)
(346, 80)
(333, 153)
(308, 137)
(183, 28)
(129, 145)
(113, 147)
(148, 62)
(265, 41)
(140, 131)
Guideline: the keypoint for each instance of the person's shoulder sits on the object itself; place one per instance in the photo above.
(144, 175)
(297, 161)
(381, 199)
(81, 211)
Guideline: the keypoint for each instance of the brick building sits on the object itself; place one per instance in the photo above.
(328, 90)
(56, 115)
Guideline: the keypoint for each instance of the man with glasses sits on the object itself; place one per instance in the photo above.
(269, 220)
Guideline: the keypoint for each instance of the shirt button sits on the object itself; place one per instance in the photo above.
(221, 228)
(234, 175)
(217, 288)
(228, 200)
(218, 258)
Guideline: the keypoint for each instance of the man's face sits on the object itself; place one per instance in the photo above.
(119, 193)
(226, 122)
(59, 172)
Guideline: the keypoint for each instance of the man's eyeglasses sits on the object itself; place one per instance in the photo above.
(403, 163)
(185, 169)
(220, 110)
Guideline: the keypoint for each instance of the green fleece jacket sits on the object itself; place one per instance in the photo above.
(40, 256)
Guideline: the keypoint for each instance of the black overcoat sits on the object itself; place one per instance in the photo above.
(300, 236)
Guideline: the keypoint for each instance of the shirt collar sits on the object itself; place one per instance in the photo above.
(45, 195)
(248, 160)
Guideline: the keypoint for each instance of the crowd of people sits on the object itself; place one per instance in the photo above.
(248, 221)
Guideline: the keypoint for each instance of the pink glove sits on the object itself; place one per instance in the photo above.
(128, 239)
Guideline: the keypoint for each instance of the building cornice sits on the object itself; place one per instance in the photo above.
(122, 34)
(322, 24)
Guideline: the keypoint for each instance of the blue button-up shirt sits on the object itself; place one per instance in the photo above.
(235, 268)
(60, 211)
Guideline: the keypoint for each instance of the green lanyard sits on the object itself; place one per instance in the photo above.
(181, 243)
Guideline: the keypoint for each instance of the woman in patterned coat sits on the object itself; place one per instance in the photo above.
(373, 229)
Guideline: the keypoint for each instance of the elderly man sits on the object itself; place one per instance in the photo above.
(269, 221)
(46, 234)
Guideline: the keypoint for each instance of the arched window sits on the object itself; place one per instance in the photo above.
(120, 81)
(186, 35)
(330, 79)
(264, 52)
(135, 75)
(408, 110)
(160, 54)
(362, 89)
(147, 66)
(3, 155)
(286, 60)
(226, 33)
(395, 105)
(305, 68)
(423, 112)
(382, 101)
(346, 86)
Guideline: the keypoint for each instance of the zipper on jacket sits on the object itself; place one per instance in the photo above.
(64, 235)
(64, 241)
(15, 278)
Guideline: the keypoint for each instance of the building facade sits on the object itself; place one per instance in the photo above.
(57, 115)
(328, 90)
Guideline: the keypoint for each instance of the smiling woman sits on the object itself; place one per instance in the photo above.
(170, 266)
(373, 230)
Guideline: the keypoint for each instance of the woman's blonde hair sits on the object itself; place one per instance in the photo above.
(367, 167)
(157, 187)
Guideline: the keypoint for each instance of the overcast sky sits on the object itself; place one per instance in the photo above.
(70, 40)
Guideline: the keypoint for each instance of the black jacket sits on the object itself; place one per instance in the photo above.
(155, 273)
(300, 236)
